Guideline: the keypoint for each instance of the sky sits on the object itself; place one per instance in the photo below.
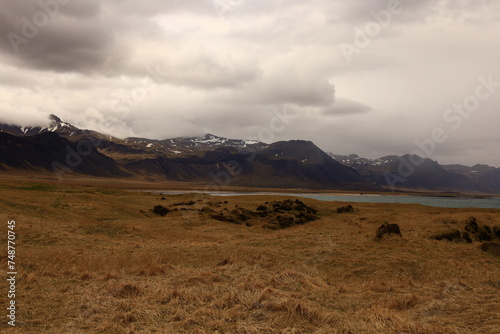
(369, 77)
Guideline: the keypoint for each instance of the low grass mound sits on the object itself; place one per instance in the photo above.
(347, 209)
(272, 215)
(472, 231)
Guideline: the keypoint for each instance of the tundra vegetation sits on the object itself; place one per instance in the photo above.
(94, 259)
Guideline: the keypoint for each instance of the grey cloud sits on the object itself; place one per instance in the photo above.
(285, 80)
(225, 72)
(80, 9)
(73, 40)
(360, 11)
(155, 7)
(344, 106)
(30, 117)
(209, 71)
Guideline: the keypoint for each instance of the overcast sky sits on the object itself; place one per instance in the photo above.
(368, 77)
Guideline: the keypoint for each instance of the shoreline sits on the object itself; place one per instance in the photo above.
(165, 185)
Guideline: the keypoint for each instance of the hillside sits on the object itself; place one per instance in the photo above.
(399, 171)
(48, 152)
(218, 161)
(300, 164)
(293, 164)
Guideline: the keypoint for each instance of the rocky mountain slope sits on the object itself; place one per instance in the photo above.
(413, 172)
(214, 160)
(49, 152)
(220, 161)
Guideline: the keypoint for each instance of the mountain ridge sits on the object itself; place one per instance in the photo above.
(427, 174)
(49, 152)
(285, 164)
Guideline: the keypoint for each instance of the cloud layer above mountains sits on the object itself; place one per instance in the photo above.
(369, 77)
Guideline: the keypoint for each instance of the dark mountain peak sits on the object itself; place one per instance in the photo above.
(294, 144)
(212, 136)
(54, 118)
(415, 157)
(301, 141)
(389, 157)
(417, 160)
(301, 150)
(481, 167)
(55, 125)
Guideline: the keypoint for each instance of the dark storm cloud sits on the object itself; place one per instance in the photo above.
(80, 36)
(53, 36)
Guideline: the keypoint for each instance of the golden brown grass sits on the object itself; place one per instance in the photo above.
(90, 262)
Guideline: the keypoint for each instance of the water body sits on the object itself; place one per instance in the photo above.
(443, 202)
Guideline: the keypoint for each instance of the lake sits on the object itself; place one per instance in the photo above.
(443, 202)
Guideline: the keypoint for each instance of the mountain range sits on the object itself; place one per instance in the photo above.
(218, 161)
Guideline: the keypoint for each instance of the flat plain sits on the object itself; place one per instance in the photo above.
(94, 258)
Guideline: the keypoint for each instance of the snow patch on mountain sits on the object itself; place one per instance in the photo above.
(354, 160)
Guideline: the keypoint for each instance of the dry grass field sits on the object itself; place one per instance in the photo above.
(90, 261)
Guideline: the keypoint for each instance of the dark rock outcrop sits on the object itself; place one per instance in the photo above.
(275, 215)
(161, 210)
(261, 208)
(387, 228)
(473, 231)
(477, 231)
(285, 220)
(347, 209)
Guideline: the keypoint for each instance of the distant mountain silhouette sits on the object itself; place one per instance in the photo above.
(48, 152)
(221, 161)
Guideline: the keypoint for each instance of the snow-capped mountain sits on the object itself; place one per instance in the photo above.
(56, 125)
(354, 160)
(428, 174)
(297, 163)
(192, 143)
(118, 147)
(175, 147)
